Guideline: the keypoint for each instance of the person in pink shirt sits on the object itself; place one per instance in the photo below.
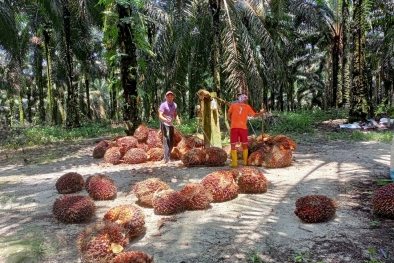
(167, 114)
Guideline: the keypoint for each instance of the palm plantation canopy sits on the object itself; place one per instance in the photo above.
(64, 62)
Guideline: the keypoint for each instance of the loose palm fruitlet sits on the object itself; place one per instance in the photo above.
(126, 143)
(250, 180)
(215, 156)
(100, 242)
(141, 133)
(112, 155)
(101, 187)
(69, 183)
(383, 201)
(315, 208)
(221, 185)
(196, 197)
(167, 202)
(145, 189)
(73, 208)
(132, 257)
(130, 217)
(194, 157)
(100, 149)
(135, 156)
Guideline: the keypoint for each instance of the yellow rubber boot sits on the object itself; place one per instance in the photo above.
(234, 158)
(245, 155)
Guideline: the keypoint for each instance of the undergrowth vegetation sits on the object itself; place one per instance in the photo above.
(299, 125)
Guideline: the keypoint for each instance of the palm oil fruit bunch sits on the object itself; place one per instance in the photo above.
(142, 146)
(135, 156)
(263, 137)
(196, 197)
(100, 149)
(215, 156)
(277, 157)
(130, 217)
(73, 208)
(132, 257)
(101, 187)
(221, 185)
(141, 133)
(154, 139)
(195, 156)
(194, 141)
(112, 155)
(155, 154)
(176, 154)
(251, 180)
(145, 189)
(69, 183)
(167, 202)
(383, 201)
(100, 242)
(126, 143)
(284, 142)
(256, 158)
(315, 208)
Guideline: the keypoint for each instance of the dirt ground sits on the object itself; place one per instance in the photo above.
(250, 228)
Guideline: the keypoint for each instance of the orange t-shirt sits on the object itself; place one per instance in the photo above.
(239, 113)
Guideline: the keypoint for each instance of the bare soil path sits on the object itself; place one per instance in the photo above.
(242, 230)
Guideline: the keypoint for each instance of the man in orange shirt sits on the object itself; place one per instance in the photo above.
(238, 115)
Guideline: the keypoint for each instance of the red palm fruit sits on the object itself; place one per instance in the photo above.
(100, 149)
(215, 156)
(194, 141)
(193, 157)
(277, 158)
(155, 154)
(132, 257)
(141, 133)
(99, 242)
(112, 155)
(145, 189)
(221, 185)
(126, 143)
(196, 197)
(256, 158)
(101, 187)
(315, 208)
(73, 208)
(177, 137)
(263, 137)
(135, 156)
(69, 183)
(251, 180)
(383, 201)
(154, 140)
(167, 202)
(176, 154)
(130, 217)
(284, 142)
(143, 146)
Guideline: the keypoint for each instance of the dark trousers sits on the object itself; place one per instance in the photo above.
(168, 140)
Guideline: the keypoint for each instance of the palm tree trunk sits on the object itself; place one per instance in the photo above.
(360, 105)
(215, 9)
(335, 70)
(48, 57)
(345, 67)
(128, 72)
(72, 119)
(87, 94)
(38, 58)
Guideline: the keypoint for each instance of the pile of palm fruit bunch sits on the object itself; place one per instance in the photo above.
(146, 144)
(105, 240)
(267, 151)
